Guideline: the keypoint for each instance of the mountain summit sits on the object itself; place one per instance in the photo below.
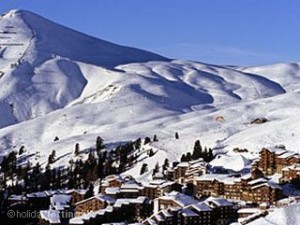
(46, 39)
(38, 64)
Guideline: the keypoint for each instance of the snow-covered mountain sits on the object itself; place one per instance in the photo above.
(58, 82)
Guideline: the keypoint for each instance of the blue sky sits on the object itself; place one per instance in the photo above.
(242, 32)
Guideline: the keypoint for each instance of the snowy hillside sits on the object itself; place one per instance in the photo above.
(281, 216)
(39, 70)
(58, 82)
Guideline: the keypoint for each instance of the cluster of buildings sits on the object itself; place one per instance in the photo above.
(186, 172)
(252, 187)
(186, 194)
(177, 208)
(123, 199)
(278, 160)
(125, 187)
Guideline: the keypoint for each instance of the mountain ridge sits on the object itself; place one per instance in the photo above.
(44, 29)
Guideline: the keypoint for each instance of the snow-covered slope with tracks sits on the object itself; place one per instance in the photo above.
(59, 82)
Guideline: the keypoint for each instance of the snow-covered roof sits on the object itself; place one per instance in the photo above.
(140, 199)
(37, 195)
(276, 150)
(122, 201)
(269, 184)
(179, 198)
(77, 220)
(166, 213)
(292, 167)
(112, 190)
(246, 176)
(131, 185)
(219, 201)
(59, 202)
(249, 210)
(79, 191)
(151, 221)
(52, 192)
(129, 190)
(258, 180)
(17, 197)
(186, 212)
(159, 218)
(50, 215)
(226, 179)
(160, 183)
(157, 182)
(126, 201)
(201, 206)
(101, 197)
(183, 164)
(198, 164)
(288, 155)
(235, 163)
(113, 177)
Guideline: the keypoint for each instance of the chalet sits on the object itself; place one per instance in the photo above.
(77, 194)
(286, 159)
(244, 188)
(93, 204)
(266, 192)
(290, 173)
(274, 159)
(157, 188)
(112, 181)
(173, 199)
(213, 184)
(185, 172)
(204, 212)
(223, 211)
(135, 209)
(211, 211)
(130, 189)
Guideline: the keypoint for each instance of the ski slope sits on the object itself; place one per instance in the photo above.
(55, 81)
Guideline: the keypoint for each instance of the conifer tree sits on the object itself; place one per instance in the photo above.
(188, 156)
(138, 143)
(90, 191)
(144, 168)
(183, 158)
(77, 149)
(51, 158)
(48, 177)
(197, 152)
(156, 169)
(147, 140)
(166, 164)
(210, 154)
(22, 150)
(151, 152)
